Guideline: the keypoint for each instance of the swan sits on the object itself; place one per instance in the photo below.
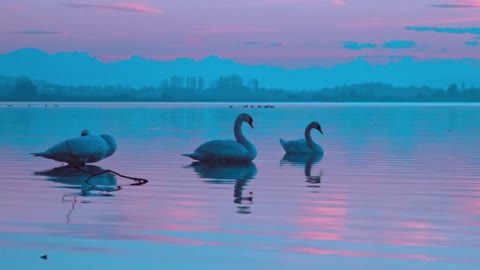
(87, 148)
(303, 146)
(228, 151)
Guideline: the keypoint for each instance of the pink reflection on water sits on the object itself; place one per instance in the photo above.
(324, 222)
(350, 253)
(311, 235)
(174, 240)
(416, 225)
(187, 227)
(413, 234)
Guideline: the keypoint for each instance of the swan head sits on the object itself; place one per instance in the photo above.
(112, 144)
(316, 126)
(85, 132)
(245, 117)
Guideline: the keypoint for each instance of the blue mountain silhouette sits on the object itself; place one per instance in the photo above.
(77, 68)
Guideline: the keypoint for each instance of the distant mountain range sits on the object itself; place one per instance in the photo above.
(81, 69)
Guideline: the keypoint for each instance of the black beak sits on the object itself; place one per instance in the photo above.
(251, 124)
(320, 130)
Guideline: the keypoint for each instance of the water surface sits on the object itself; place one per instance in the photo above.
(397, 188)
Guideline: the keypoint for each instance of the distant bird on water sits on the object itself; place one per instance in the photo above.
(77, 151)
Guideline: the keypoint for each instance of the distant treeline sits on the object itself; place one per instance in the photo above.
(230, 88)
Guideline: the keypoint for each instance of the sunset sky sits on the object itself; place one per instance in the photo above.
(290, 33)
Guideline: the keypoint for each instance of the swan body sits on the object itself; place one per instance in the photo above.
(87, 148)
(228, 151)
(304, 146)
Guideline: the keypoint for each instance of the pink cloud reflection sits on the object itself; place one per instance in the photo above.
(175, 240)
(349, 253)
(325, 222)
(413, 234)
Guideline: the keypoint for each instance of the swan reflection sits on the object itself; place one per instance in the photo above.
(237, 174)
(306, 160)
(87, 179)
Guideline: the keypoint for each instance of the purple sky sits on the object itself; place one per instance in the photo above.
(280, 32)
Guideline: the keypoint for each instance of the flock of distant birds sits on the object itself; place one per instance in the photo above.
(231, 106)
(90, 148)
(258, 106)
(30, 105)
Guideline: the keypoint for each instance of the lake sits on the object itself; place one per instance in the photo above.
(398, 187)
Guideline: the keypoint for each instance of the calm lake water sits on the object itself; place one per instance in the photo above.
(397, 188)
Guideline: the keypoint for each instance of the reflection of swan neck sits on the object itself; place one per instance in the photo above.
(308, 167)
(308, 136)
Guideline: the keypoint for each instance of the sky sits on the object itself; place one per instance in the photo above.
(289, 33)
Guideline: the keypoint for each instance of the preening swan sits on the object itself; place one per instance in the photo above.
(303, 146)
(87, 148)
(228, 151)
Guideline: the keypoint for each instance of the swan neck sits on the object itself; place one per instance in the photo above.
(237, 130)
(112, 144)
(308, 136)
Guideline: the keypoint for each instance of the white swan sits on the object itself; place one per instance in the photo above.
(303, 146)
(228, 151)
(87, 148)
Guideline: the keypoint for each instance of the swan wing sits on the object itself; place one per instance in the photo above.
(296, 146)
(89, 148)
(77, 150)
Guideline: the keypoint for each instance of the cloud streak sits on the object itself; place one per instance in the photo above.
(38, 32)
(458, 4)
(277, 44)
(256, 43)
(399, 44)
(126, 7)
(227, 29)
(252, 43)
(16, 6)
(355, 46)
(449, 30)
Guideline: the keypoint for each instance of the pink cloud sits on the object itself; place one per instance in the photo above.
(339, 2)
(221, 29)
(16, 6)
(193, 41)
(126, 6)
